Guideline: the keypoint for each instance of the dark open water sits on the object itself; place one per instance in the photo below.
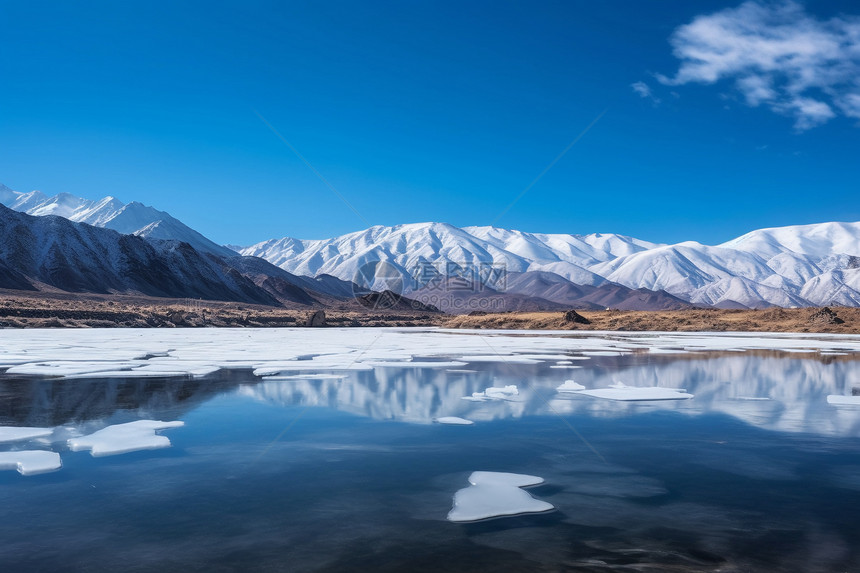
(349, 475)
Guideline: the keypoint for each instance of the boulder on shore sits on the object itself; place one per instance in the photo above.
(573, 317)
(317, 318)
(825, 316)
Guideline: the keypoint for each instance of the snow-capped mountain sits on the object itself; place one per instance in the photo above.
(82, 258)
(445, 247)
(806, 265)
(133, 218)
(39, 251)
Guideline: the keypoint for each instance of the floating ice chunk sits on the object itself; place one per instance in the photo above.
(415, 364)
(14, 434)
(313, 365)
(69, 368)
(553, 357)
(622, 392)
(568, 366)
(836, 400)
(663, 350)
(194, 368)
(124, 438)
(495, 494)
(307, 377)
(501, 393)
(493, 394)
(454, 421)
(604, 353)
(504, 478)
(139, 373)
(30, 462)
(570, 386)
(509, 359)
(275, 369)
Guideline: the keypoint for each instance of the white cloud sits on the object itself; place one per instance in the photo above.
(809, 112)
(777, 55)
(850, 105)
(644, 90)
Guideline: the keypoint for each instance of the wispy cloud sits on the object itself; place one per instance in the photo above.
(777, 55)
(643, 90)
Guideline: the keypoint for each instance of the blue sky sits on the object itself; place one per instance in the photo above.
(444, 111)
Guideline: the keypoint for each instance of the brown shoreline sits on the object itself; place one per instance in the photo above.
(60, 309)
(811, 320)
(68, 310)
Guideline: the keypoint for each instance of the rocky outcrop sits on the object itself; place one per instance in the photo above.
(390, 300)
(317, 319)
(573, 317)
(76, 257)
(824, 316)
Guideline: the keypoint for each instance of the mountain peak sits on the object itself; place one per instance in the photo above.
(133, 218)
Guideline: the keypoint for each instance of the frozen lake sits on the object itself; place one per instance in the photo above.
(344, 450)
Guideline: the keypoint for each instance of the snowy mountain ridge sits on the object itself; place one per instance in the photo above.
(804, 265)
(441, 244)
(131, 219)
(76, 257)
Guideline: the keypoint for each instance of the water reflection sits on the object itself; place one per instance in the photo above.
(755, 473)
(770, 392)
(29, 401)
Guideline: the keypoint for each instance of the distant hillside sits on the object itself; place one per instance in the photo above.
(76, 257)
(805, 265)
(797, 266)
(133, 218)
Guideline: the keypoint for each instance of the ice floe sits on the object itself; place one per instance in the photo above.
(509, 359)
(68, 368)
(197, 352)
(504, 478)
(494, 393)
(30, 462)
(415, 364)
(622, 392)
(453, 421)
(496, 494)
(663, 350)
(19, 434)
(836, 400)
(570, 386)
(543, 357)
(307, 377)
(597, 353)
(124, 438)
(418, 395)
